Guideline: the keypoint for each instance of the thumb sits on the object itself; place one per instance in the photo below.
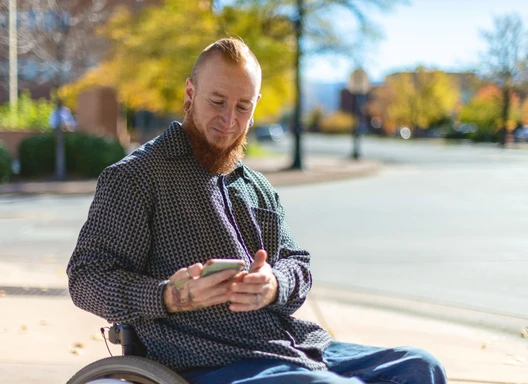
(195, 270)
(258, 260)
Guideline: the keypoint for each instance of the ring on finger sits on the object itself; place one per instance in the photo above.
(256, 299)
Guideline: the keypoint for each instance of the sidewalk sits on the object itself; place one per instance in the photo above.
(45, 339)
(317, 169)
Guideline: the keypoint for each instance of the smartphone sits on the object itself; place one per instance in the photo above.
(217, 265)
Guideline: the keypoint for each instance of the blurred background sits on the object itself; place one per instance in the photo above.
(431, 95)
(380, 68)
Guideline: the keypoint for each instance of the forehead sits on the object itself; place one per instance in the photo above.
(218, 76)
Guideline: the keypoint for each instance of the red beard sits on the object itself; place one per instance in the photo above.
(213, 159)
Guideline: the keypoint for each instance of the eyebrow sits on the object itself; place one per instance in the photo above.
(218, 94)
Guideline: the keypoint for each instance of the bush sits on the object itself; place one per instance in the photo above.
(488, 135)
(338, 122)
(37, 155)
(30, 115)
(5, 164)
(86, 156)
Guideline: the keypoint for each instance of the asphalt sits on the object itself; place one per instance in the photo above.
(45, 339)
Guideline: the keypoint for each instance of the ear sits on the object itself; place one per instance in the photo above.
(251, 122)
(189, 93)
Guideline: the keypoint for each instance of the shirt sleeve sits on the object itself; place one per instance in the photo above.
(292, 270)
(106, 269)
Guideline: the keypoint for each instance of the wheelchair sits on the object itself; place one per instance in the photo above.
(130, 368)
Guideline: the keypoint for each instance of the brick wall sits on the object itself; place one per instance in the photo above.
(12, 140)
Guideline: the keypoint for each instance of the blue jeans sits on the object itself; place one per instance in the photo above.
(347, 363)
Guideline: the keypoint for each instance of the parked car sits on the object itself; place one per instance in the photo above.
(273, 132)
(521, 134)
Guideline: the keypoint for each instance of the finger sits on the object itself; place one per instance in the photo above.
(217, 278)
(239, 276)
(180, 275)
(205, 294)
(195, 270)
(215, 300)
(240, 307)
(258, 260)
(188, 296)
(255, 278)
(246, 288)
(243, 298)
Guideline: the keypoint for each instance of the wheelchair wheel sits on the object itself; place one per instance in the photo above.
(126, 369)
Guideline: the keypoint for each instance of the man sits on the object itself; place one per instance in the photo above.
(185, 198)
(61, 117)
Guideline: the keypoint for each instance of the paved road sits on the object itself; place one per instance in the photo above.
(430, 153)
(442, 223)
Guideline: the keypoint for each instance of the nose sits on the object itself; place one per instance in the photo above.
(227, 117)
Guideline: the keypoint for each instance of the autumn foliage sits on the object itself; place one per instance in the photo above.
(152, 53)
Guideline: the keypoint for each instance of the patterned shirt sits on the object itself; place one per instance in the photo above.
(157, 211)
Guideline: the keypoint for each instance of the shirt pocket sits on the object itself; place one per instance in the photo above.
(268, 223)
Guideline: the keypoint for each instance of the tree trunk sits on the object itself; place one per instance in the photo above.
(297, 128)
(506, 91)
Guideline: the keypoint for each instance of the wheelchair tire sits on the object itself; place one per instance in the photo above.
(132, 369)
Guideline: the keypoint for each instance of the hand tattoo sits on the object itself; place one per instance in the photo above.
(181, 300)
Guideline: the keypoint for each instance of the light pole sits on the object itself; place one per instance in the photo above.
(297, 128)
(359, 87)
(13, 57)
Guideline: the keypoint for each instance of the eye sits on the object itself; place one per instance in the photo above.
(216, 102)
(243, 108)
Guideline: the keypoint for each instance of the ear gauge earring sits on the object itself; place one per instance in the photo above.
(251, 122)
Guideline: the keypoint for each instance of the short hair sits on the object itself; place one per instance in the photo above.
(230, 49)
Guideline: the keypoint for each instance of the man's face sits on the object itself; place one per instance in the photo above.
(224, 100)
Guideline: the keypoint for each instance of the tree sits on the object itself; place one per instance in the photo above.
(505, 61)
(148, 65)
(485, 110)
(56, 40)
(418, 99)
(316, 33)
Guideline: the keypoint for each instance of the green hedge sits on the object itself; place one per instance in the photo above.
(5, 164)
(86, 156)
(29, 115)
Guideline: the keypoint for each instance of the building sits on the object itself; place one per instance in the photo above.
(56, 44)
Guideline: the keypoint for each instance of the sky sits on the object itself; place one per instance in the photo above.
(444, 34)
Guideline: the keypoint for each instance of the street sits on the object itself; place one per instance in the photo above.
(442, 223)
(439, 223)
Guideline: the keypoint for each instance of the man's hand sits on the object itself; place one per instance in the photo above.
(256, 289)
(187, 291)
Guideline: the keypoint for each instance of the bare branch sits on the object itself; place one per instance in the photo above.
(59, 36)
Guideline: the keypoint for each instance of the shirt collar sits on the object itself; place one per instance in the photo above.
(177, 144)
(176, 141)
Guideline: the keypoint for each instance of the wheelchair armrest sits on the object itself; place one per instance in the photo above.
(125, 335)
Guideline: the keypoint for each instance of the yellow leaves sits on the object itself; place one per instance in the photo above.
(485, 109)
(420, 98)
(152, 53)
(338, 122)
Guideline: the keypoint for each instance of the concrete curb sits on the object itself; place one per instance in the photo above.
(509, 324)
(318, 170)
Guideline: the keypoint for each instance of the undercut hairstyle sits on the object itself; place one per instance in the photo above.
(232, 50)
